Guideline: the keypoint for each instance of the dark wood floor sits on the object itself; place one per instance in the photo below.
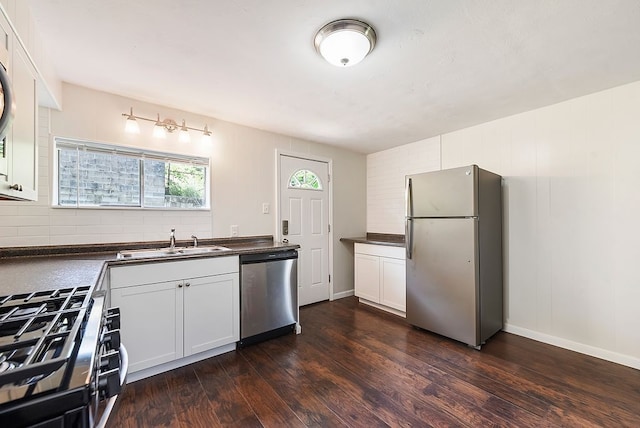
(355, 366)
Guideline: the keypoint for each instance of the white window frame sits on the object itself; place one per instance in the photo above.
(302, 185)
(134, 152)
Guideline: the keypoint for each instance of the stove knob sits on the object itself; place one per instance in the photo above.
(109, 383)
(111, 339)
(110, 361)
(112, 318)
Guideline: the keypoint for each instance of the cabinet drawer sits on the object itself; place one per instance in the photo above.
(151, 272)
(380, 250)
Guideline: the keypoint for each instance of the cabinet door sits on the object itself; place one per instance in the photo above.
(22, 144)
(367, 277)
(211, 312)
(393, 288)
(151, 322)
(6, 46)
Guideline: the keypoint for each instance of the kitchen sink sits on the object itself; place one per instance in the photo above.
(202, 250)
(167, 252)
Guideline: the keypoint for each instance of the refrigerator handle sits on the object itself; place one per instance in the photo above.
(408, 222)
(408, 199)
(408, 236)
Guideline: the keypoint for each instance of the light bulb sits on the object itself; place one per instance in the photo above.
(131, 125)
(206, 135)
(158, 130)
(184, 136)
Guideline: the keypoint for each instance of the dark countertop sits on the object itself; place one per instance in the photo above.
(387, 239)
(28, 269)
(28, 274)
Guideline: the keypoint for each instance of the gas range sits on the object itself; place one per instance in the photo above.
(61, 360)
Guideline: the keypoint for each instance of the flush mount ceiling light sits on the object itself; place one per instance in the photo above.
(161, 127)
(345, 42)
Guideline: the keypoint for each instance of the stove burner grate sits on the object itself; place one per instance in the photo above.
(38, 332)
(6, 365)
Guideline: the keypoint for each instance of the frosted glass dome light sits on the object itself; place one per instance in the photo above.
(345, 42)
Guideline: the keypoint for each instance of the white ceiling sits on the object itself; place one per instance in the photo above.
(438, 66)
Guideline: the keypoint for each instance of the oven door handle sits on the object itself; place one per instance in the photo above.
(124, 368)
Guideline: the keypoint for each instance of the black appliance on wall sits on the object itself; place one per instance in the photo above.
(6, 115)
(7, 109)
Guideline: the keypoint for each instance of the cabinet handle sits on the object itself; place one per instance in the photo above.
(187, 284)
(180, 285)
(16, 186)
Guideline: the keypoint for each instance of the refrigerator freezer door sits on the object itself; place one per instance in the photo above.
(448, 193)
(442, 278)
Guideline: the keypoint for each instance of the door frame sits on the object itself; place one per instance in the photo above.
(278, 234)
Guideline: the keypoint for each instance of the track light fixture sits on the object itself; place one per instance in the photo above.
(161, 127)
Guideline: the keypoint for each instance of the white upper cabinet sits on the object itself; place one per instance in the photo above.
(18, 12)
(19, 150)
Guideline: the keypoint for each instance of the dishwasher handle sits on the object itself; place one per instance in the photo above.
(272, 256)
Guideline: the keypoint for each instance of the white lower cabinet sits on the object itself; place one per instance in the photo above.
(393, 283)
(176, 309)
(149, 323)
(380, 277)
(367, 274)
(211, 312)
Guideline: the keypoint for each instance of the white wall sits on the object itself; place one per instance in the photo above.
(242, 176)
(386, 171)
(571, 201)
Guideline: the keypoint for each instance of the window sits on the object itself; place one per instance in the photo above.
(305, 179)
(95, 175)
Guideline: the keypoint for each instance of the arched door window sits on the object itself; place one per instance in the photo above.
(305, 179)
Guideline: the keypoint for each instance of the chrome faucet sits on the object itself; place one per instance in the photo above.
(195, 240)
(172, 239)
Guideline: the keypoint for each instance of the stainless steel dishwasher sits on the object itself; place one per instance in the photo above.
(268, 295)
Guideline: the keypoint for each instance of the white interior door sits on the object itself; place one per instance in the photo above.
(304, 209)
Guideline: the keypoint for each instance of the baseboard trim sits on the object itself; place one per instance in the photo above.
(342, 294)
(593, 351)
(383, 307)
(171, 365)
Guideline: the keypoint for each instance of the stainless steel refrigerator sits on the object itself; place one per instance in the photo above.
(454, 253)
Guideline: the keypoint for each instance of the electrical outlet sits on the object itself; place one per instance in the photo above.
(234, 230)
(265, 208)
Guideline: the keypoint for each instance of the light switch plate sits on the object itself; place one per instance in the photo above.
(265, 208)
(234, 230)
